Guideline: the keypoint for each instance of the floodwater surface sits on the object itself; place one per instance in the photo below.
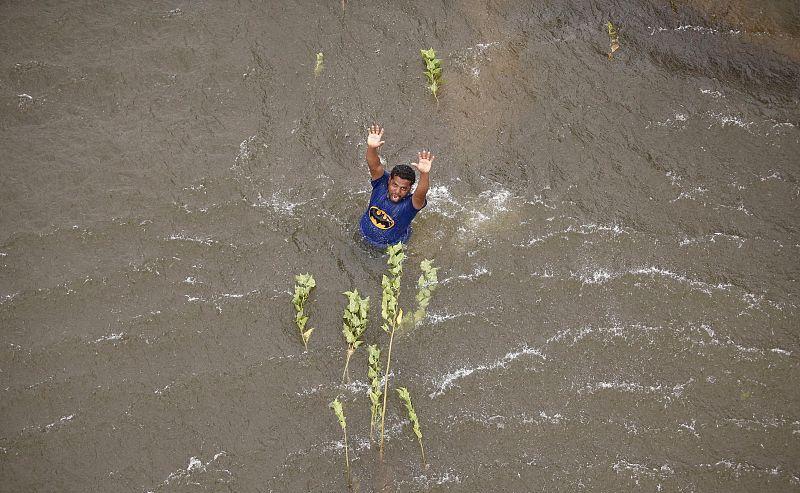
(617, 239)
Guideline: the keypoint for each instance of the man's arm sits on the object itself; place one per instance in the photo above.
(374, 142)
(424, 168)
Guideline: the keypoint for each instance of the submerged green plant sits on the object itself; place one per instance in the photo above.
(319, 66)
(433, 71)
(304, 283)
(339, 412)
(412, 416)
(374, 375)
(426, 285)
(392, 314)
(613, 39)
(354, 325)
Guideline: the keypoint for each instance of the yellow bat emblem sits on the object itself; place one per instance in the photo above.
(380, 218)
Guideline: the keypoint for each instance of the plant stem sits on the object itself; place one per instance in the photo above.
(421, 449)
(347, 460)
(372, 427)
(386, 387)
(350, 352)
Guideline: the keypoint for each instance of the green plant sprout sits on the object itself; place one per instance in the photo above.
(613, 39)
(392, 314)
(339, 412)
(433, 71)
(412, 416)
(319, 66)
(374, 375)
(304, 283)
(354, 325)
(426, 285)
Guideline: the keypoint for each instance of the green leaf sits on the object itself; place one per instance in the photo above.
(339, 412)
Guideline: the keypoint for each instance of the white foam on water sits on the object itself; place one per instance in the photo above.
(774, 175)
(439, 478)
(583, 229)
(356, 387)
(195, 239)
(689, 27)
(61, 421)
(279, 203)
(781, 351)
(728, 120)
(110, 337)
(448, 380)
(9, 297)
(674, 177)
(712, 238)
(738, 468)
(163, 389)
(360, 386)
(448, 477)
(705, 30)
(245, 151)
(437, 318)
(637, 471)
(538, 200)
(554, 419)
(474, 212)
(310, 390)
(702, 286)
(441, 200)
(677, 121)
(195, 466)
(599, 276)
(231, 295)
(690, 194)
(713, 94)
(690, 427)
(665, 392)
(754, 423)
(479, 271)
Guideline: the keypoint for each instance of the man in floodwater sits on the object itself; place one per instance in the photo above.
(392, 206)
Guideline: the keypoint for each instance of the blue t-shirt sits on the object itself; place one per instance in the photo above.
(386, 222)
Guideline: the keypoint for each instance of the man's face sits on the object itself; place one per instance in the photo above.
(398, 188)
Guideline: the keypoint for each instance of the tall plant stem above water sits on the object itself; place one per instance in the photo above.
(386, 388)
(345, 375)
(347, 460)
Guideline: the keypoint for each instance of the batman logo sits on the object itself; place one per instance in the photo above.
(380, 218)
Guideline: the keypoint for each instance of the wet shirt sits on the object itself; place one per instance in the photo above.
(386, 222)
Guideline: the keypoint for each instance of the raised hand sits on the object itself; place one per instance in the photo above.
(374, 138)
(425, 160)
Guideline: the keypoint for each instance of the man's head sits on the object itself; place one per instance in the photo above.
(401, 179)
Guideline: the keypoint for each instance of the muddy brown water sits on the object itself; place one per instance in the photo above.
(618, 243)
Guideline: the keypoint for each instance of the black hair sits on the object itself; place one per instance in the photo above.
(405, 172)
